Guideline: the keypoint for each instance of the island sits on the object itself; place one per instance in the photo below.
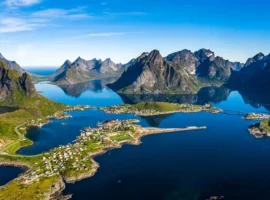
(256, 116)
(158, 108)
(45, 172)
(261, 129)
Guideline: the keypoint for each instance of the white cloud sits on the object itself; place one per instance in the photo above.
(60, 13)
(18, 3)
(19, 21)
(8, 25)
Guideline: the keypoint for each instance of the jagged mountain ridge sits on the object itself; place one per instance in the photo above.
(151, 73)
(205, 64)
(12, 65)
(254, 75)
(84, 70)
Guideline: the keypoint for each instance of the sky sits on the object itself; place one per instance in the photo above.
(47, 32)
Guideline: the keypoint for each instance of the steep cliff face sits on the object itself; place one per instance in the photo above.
(84, 70)
(205, 64)
(186, 59)
(152, 74)
(215, 68)
(14, 87)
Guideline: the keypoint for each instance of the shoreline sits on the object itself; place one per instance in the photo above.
(141, 132)
(136, 142)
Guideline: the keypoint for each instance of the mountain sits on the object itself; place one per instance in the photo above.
(215, 68)
(14, 87)
(59, 71)
(84, 70)
(185, 58)
(254, 75)
(203, 54)
(205, 64)
(151, 73)
(12, 65)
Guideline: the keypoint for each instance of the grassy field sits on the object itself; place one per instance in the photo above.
(121, 137)
(36, 190)
(158, 106)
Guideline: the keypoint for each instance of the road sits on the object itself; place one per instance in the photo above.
(21, 138)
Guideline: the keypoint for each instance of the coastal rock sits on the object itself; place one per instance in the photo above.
(152, 74)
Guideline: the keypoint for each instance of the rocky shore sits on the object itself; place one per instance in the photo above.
(261, 129)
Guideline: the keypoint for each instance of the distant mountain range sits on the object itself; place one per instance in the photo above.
(84, 70)
(182, 72)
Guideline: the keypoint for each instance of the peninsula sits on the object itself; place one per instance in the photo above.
(73, 162)
(261, 129)
(158, 108)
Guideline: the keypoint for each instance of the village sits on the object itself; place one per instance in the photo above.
(74, 158)
(152, 109)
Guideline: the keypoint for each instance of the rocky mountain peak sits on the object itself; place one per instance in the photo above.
(155, 57)
(204, 54)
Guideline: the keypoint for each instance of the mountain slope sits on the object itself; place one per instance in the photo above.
(12, 65)
(205, 64)
(152, 74)
(254, 75)
(84, 70)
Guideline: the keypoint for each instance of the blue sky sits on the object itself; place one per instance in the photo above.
(47, 32)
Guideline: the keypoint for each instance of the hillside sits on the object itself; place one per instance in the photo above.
(17, 91)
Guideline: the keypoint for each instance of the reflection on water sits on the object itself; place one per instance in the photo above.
(221, 160)
(206, 95)
(76, 90)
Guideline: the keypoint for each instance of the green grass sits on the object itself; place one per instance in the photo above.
(24, 143)
(158, 106)
(121, 137)
(35, 190)
(265, 125)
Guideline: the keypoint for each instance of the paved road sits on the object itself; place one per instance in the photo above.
(21, 138)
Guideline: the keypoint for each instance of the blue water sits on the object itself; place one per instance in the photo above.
(9, 173)
(222, 160)
(42, 71)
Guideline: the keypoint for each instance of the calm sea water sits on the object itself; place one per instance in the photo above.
(8, 173)
(223, 160)
(42, 71)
